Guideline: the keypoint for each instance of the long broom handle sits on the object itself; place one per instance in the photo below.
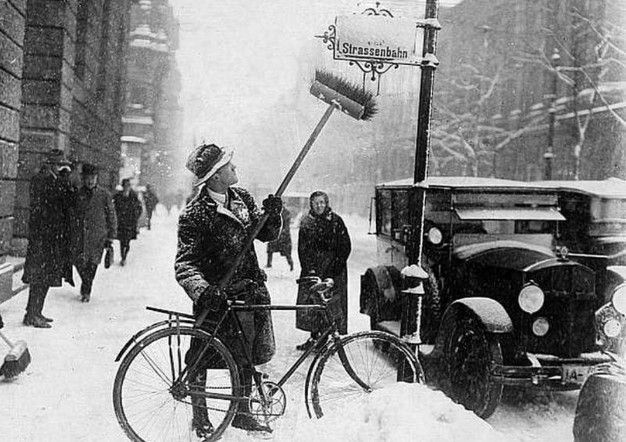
(257, 228)
(5, 339)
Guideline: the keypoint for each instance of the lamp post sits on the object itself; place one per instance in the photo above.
(548, 156)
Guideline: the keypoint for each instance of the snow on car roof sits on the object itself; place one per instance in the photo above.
(609, 188)
(462, 182)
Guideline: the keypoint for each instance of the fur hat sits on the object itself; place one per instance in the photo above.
(89, 169)
(57, 156)
(206, 159)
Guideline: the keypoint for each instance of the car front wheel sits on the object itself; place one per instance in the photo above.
(469, 356)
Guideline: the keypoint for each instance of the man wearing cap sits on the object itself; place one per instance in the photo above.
(211, 232)
(48, 260)
(94, 227)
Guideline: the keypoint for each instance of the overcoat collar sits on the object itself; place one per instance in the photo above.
(235, 203)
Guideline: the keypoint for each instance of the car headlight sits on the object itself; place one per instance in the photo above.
(530, 298)
(435, 237)
(619, 299)
(612, 328)
(541, 326)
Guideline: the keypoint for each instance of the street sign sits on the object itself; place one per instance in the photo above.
(378, 38)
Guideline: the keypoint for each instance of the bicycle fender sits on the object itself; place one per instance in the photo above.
(135, 338)
(309, 374)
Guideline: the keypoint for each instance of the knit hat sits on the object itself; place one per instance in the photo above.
(206, 159)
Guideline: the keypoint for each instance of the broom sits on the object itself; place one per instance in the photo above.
(338, 94)
(16, 360)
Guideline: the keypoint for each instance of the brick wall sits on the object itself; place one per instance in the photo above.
(12, 22)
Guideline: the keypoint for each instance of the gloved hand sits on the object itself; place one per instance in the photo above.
(273, 205)
(212, 299)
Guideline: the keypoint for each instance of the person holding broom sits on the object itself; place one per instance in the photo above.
(212, 229)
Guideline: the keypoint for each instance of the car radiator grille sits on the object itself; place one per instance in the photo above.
(569, 308)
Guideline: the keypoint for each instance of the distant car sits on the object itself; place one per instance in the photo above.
(501, 307)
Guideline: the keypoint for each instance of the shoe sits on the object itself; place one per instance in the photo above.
(245, 422)
(36, 322)
(45, 318)
(123, 262)
(202, 427)
(85, 298)
(306, 345)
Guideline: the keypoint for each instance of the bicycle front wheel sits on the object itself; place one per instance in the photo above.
(359, 364)
(151, 402)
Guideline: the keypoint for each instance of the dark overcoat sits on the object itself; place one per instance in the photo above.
(48, 259)
(323, 247)
(93, 222)
(128, 209)
(210, 237)
(282, 244)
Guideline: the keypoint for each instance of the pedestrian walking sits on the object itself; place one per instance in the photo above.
(282, 245)
(94, 228)
(48, 260)
(323, 249)
(151, 200)
(128, 211)
(211, 232)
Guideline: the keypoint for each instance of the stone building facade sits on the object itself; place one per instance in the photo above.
(12, 25)
(62, 77)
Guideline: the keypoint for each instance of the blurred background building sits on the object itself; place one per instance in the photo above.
(152, 116)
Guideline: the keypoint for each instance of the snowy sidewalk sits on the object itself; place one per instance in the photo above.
(65, 394)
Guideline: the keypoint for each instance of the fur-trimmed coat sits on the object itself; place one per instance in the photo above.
(210, 237)
(323, 248)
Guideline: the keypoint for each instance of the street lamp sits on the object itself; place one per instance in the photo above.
(549, 153)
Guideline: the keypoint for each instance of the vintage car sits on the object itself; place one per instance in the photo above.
(501, 306)
(594, 232)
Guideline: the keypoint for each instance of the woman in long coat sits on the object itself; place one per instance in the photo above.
(323, 249)
(282, 244)
(128, 210)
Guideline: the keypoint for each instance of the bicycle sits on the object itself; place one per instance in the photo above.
(159, 381)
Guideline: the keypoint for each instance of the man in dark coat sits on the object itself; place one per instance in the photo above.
(48, 259)
(94, 227)
(128, 210)
(283, 244)
(151, 200)
(211, 232)
(323, 249)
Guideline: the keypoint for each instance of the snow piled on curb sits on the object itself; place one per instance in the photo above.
(401, 412)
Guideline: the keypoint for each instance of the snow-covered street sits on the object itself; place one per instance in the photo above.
(65, 394)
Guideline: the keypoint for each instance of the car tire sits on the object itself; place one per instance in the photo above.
(470, 353)
(601, 409)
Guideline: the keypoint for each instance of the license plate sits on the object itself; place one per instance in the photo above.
(576, 374)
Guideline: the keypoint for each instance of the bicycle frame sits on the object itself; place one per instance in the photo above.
(231, 313)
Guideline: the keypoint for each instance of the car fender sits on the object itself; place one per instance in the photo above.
(488, 311)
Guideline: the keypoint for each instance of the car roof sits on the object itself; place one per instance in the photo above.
(464, 182)
(609, 188)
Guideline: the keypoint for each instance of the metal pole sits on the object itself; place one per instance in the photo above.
(422, 148)
(548, 156)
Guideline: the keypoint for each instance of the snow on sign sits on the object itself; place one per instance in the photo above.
(378, 38)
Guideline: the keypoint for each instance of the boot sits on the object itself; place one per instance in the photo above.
(200, 422)
(35, 321)
(244, 420)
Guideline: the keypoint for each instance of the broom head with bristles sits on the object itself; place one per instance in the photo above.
(16, 360)
(347, 97)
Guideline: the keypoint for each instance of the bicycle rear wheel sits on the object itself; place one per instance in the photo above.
(150, 402)
(359, 364)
